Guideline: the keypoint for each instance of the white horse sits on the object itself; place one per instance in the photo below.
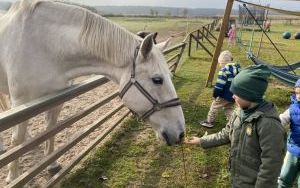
(45, 44)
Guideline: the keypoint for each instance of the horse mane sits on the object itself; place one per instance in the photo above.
(92, 9)
(101, 37)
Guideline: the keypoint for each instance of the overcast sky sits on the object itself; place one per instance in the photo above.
(284, 4)
(291, 5)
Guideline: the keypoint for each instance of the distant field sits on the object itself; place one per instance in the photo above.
(134, 158)
(164, 26)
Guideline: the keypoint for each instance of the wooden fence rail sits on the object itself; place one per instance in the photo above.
(18, 151)
(26, 177)
(24, 112)
(57, 177)
(201, 35)
(174, 64)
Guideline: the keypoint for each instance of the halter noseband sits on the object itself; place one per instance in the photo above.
(156, 105)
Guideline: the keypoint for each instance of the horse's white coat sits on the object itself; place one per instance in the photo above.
(46, 44)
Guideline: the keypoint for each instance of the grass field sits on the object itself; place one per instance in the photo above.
(134, 158)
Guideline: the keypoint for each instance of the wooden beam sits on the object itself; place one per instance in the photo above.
(198, 37)
(210, 33)
(173, 48)
(219, 43)
(57, 177)
(206, 37)
(173, 57)
(28, 110)
(33, 171)
(190, 44)
(21, 149)
(192, 36)
(179, 57)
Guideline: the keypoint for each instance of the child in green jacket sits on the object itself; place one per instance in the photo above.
(254, 131)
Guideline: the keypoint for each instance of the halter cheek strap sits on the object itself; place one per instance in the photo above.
(156, 106)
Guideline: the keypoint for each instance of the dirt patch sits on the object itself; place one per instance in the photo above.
(37, 125)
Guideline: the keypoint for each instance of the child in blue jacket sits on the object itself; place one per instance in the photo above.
(291, 165)
(221, 94)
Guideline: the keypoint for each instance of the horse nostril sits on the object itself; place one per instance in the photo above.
(181, 136)
(164, 134)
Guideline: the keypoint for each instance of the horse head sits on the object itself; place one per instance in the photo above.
(147, 89)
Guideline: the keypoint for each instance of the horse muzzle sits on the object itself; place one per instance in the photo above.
(172, 140)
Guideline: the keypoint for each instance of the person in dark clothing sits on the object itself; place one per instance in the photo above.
(254, 131)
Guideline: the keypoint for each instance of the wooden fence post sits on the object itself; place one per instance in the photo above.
(179, 57)
(208, 28)
(198, 37)
(203, 32)
(219, 43)
(190, 45)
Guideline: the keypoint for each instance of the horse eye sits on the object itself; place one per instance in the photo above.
(157, 80)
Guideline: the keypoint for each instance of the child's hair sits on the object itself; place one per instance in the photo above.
(232, 26)
(225, 57)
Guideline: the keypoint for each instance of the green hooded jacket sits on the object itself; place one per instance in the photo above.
(257, 147)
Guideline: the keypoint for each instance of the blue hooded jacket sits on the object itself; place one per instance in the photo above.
(293, 145)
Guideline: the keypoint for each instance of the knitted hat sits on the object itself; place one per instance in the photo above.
(297, 83)
(251, 83)
(225, 57)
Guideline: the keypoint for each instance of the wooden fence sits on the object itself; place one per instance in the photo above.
(22, 113)
(174, 60)
(202, 35)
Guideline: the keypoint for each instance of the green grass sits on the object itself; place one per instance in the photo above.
(134, 158)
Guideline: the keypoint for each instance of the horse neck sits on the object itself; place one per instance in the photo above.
(109, 43)
(87, 43)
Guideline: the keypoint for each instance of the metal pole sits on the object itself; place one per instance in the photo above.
(262, 34)
(251, 41)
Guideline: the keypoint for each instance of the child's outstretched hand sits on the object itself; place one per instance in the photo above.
(193, 140)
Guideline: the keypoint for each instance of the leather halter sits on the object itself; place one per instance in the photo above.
(156, 105)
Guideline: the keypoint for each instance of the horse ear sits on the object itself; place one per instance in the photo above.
(147, 45)
(143, 34)
(154, 37)
(163, 45)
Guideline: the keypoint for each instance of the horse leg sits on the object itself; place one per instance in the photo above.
(4, 107)
(18, 137)
(3, 103)
(51, 117)
(2, 149)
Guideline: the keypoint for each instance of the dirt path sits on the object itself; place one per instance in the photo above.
(37, 125)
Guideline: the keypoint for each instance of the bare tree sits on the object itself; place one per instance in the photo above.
(151, 12)
(168, 14)
(185, 12)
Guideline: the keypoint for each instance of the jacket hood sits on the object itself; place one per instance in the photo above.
(267, 110)
(294, 99)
